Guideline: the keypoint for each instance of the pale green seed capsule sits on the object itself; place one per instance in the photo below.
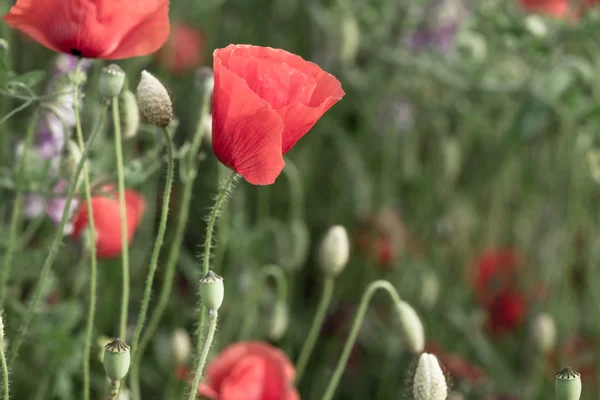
(212, 291)
(112, 80)
(116, 359)
(567, 385)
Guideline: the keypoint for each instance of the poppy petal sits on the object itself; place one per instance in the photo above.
(245, 380)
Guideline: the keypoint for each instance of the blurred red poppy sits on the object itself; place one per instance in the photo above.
(182, 373)
(264, 101)
(495, 272)
(555, 8)
(107, 214)
(107, 29)
(250, 371)
(183, 50)
(506, 312)
(457, 366)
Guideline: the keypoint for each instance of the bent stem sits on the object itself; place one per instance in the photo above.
(123, 215)
(315, 328)
(4, 373)
(16, 212)
(52, 253)
(212, 315)
(360, 315)
(158, 243)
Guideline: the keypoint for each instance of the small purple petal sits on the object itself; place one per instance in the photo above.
(33, 206)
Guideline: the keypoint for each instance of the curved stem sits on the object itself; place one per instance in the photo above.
(158, 243)
(360, 315)
(53, 247)
(92, 236)
(4, 373)
(123, 215)
(212, 315)
(16, 211)
(315, 328)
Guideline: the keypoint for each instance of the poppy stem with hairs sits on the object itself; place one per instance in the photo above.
(222, 196)
(4, 373)
(158, 243)
(58, 236)
(182, 218)
(123, 218)
(213, 315)
(315, 328)
(360, 315)
(16, 211)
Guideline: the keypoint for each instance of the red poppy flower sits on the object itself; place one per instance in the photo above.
(506, 312)
(250, 371)
(264, 101)
(183, 50)
(107, 217)
(555, 8)
(495, 272)
(108, 29)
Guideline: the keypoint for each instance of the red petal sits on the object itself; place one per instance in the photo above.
(245, 380)
(246, 132)
(220, 367)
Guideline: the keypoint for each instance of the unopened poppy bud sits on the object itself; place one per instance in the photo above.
(334, 251)
(181, 347)
(567, 385)
(212, 291)
(536, 26)
(3, 44)
(429, 382)
(411, 327)
(543, 333)
(278, 321)
(116, 360)
(430, 289)
(111, 81)
(350, 39)
(154, 101)
(130, 113)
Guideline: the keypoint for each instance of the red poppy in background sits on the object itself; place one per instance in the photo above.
(495, 272)
(250, 371)
(506, 312)
(555, 8)
(107, 29)
(183, 50)
(456, 365)
(264, 101)
(107, 219)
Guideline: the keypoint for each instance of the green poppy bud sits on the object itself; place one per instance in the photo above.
(412, 328)
(429, 381)
(154, 101)
(567, 385)
(212, 291)
(116, 359)
(278, 321)
(334, 251)
(181, 347)
(112, 80)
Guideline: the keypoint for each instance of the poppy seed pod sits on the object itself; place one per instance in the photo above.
(429, 382)
(278, 321)
(112, 80)
(567, 385)
(116, 359)
(212, 291)
(130, 113)
(412, 328)
(543, 333)
(334, 251)
(181, 347)
(154, 101)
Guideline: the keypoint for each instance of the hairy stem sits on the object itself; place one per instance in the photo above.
(4, 373)
(212, 315)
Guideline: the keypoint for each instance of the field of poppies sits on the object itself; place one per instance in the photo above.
(286, 199)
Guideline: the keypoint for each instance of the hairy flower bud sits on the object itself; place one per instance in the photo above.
(154, 101)
(212, 291)
(111, 82)
(411, 327)
(334, 251)
(130, 113)
(543, 333)
(429, 382)
(278, 321)
(181, 347)
(116, 360)
(567, 385)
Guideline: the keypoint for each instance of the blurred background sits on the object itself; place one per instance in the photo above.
(464, 161)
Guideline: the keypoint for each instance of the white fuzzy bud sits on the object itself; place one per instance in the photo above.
(429, 382)
(181, 347)
(154, 101)
(334, 251)
(413, 333)
(543, 332)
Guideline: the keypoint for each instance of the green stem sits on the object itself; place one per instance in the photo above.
(167, 286)
(115, 386)
(360, 315)
(158, 243)
(205, 349)
(16, 212)
(4, 373)
(123, 215)
(315, 328)
(92, 241)
(52, 253)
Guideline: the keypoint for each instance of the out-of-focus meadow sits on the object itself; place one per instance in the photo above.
(464, 162)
